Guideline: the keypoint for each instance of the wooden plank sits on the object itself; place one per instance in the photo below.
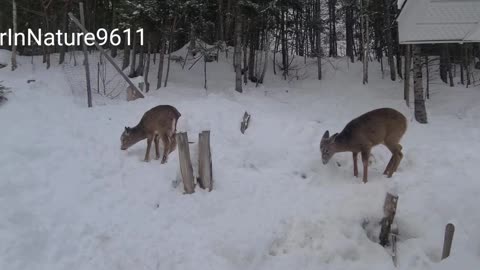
(389, 210)
(205, 179)
(186, 168)
(448, 239)
(109, 58)
(245, 122)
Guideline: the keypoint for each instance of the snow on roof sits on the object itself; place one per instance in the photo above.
(439, 21)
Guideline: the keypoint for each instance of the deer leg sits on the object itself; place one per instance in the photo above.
(157, 151)
(398, 157)
(389, 165)
(355, 167)
(149, 144)
(166, 147)
(365, 156)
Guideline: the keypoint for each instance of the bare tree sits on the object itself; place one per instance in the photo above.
(406, 83)
(388, 36)
(420, 110)
(318, 29)
(160, 62)
(14, 46)
(365, 41)
(238, 52)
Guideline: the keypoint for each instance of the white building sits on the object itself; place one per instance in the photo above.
(439, 21)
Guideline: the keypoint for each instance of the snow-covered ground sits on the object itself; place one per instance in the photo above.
(71, 199)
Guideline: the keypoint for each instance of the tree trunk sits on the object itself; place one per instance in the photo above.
(427, 69)
(318, 40)
(449, 68)
(284, 45)
(420, 110)
(170, 48)
(14, 47)
(141, 60)
(220, 32)
(133, 55)
(349, 32)
(63, 49)
(85, 54)
(114, 49)
(126, 54)
(444, 63)
(332, 28)
(266, 45)
(147, 67)
(365, 39)
(406, 81)
(388, 33)
(161, 59)
(238, 52)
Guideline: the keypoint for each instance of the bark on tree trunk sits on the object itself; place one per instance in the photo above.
(170, 48)
(349, 32)
(420, 110)
(318, 40)
(388, 33)
(238, 53)
(161, 59)
(428, 77)
(365, 40)
(14, 47)
(63, 49)
(114, 49)
(408, 61)
(220, 21)
(126, 54)
(147, 67)
(133, 55)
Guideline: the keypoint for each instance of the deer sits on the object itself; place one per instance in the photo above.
(381, 126)
(157, 123)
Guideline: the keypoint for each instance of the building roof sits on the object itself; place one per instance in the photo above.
(439, 21)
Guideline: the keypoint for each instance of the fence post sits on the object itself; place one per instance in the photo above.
(447, 241)
(185, 162)
(205, 179)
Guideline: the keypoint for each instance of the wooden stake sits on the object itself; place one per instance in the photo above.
(205, 179)
(245, 122)
(447, 242)
(185, 162)
(389, 209)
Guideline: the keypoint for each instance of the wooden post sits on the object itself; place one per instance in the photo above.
(245, 122)
(205, 179)
(185, 162)
(109, 58)
(389, 209)
(447, 242)
(85, 55)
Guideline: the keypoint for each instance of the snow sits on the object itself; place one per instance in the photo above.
(71, 199)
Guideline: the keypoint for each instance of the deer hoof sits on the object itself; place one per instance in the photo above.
(146, 160)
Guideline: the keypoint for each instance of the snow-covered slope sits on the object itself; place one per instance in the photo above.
(71, 199)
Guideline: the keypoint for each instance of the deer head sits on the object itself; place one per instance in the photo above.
(129, 137)
(328, 146)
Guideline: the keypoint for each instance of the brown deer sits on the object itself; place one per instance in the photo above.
(157, 123)
(381, 126)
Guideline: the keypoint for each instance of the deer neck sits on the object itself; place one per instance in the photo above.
(138, 132)
(341, 144)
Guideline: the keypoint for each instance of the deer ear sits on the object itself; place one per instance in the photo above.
(326, 135)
